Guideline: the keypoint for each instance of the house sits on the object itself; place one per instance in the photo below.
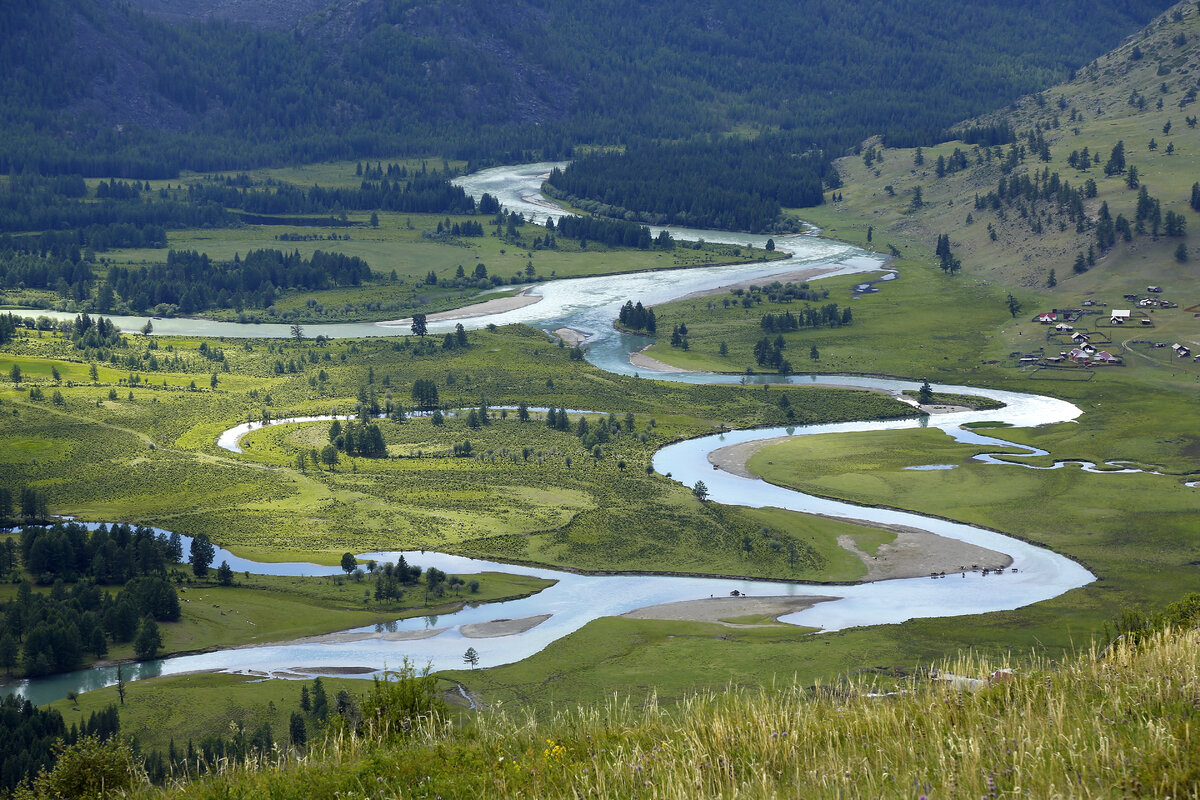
(1078, 356)
(1146, 321)
(1155, 289)
(1105, 357)
(1046, 317)
(1063, 327)
(1180, 350)
(1079, 337)
(1120, 316)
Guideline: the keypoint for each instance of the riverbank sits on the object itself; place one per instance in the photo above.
(487, 308)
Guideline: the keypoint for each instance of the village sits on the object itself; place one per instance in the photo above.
(1079, 346)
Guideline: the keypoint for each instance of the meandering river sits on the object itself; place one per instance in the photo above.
(589, 305)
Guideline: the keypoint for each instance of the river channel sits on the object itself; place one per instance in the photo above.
(589, 305)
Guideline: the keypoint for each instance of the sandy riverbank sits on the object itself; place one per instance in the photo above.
(796, 276)
(719, 609)
(497, 305)
(502, 627)
(913, 554)
(643, 361)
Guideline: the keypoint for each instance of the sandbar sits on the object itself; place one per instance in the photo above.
(502, 627)
(335, 670)
(570, 336)
(719, 609)
(346, 637)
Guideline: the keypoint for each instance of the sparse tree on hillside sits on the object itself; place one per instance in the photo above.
(329, 456)
(201, 555)
(298, 332)
(1014, 306)
(700, 491)
(471, 657)
(419, 326)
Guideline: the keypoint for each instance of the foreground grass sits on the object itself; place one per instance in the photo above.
(1113, 725)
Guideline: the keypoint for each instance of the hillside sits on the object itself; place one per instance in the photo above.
(1113, 723)
(98, 87)
(1140, 95)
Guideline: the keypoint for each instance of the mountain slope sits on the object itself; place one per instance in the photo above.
(501, 79)
(1141, 94)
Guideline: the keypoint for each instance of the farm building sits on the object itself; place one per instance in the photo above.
(1046, 317)
(1120, 316)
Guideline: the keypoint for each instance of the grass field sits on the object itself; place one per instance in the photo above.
(528, 493)
(159, 711)
(1033, 732)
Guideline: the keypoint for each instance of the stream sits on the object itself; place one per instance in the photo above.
(589, 306)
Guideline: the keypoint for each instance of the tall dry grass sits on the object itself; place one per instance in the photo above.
(1125, 723)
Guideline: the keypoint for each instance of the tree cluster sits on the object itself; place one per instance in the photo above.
(32, 734)
(731, 184)
(826, 316)
(190, 281)
(612, 232)
(637, 317)
(364, 439)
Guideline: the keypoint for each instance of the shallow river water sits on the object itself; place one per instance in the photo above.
(589, 305)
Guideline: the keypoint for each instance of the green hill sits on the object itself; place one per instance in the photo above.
(1140, 95)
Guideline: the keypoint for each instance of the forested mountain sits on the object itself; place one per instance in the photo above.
(97, 87)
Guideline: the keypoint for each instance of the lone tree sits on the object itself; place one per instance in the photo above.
(225, 574)
(925, 394)
(201, 555)
(298, 332)
(297, 730)
(148, 640)
(419, 328)
(1014, 306)
(348, 563)
(701, 491)
(471, 657)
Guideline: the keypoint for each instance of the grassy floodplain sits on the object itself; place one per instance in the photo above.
(402, 249)
(153, 459)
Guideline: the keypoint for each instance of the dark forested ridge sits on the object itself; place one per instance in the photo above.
(97, 88)
(730, 184)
